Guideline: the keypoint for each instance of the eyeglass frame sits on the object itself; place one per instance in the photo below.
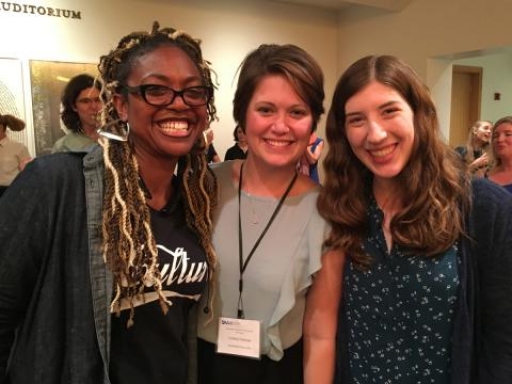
(141, 91)
(90, 100)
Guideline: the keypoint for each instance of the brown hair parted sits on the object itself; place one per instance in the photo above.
(290, 61)
(435, 181)
(129, 247)
(12, 122)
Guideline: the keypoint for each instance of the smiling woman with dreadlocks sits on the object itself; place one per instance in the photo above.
(104, 253)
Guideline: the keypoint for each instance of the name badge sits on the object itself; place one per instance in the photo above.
(239, 337)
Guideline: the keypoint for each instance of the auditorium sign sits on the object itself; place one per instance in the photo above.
(39, 10)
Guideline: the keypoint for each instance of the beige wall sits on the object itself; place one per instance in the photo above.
(426, 34)
(229, 29)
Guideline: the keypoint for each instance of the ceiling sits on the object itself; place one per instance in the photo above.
(389, 5)
(337, 5)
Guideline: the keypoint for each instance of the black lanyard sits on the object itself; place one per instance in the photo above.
(243, 265)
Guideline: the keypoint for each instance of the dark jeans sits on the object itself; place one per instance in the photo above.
(214, 368)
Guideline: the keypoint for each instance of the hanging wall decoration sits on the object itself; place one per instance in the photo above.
(48, 80)
(11, 95)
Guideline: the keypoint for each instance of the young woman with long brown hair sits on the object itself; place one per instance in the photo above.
(426, 286)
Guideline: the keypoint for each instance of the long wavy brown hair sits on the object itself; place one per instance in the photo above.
(129, 247)
(435, 187)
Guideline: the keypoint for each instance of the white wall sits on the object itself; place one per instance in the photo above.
(427, 34)
(497, 78)
(229, 29)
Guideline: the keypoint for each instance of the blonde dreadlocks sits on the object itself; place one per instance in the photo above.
(129, 247)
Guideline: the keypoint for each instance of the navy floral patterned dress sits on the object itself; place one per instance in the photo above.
(400, 313)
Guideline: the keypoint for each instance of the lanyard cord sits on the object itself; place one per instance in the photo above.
(243, 265)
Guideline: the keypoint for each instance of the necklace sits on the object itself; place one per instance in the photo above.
(258, 208)
(254, 216)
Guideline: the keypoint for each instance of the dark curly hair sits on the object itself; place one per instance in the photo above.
(69, 96)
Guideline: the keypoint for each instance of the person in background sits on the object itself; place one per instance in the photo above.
(501, 171)
(13, 155)
(271, 292)
(211, 153)
(476, 152)
(426, 286)
(104, 252)
(308, 163)
(81, 104)
(239, 149)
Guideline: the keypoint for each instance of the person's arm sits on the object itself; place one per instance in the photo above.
(24, 158)
(314, 155)
(479, 164)
(23, 163)
(493, 235)
(23, 234)
(212, 155)
(321, 320)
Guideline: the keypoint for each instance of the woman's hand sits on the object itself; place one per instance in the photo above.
(480, 163)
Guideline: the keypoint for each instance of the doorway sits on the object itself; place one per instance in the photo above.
(465, 102)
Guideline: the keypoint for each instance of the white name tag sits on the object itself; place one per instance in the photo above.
(239, 337)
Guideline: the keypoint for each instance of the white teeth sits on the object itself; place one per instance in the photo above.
(174, 126)
(383, 152)
(277, 143)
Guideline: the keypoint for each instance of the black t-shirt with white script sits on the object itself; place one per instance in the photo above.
(154, 349)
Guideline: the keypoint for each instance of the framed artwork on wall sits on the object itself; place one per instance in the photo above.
(48, 79)
(11, 95)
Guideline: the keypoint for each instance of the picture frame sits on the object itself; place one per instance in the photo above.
(12, 95)
(48, 80)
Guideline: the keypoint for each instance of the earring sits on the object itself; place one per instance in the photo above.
(122, 136)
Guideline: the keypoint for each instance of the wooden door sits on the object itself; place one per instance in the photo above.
(465, 102)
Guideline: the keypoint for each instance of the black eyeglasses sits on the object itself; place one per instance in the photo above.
(161, 96)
